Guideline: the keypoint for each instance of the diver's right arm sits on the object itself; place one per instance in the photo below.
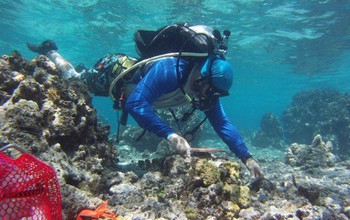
(160, 79)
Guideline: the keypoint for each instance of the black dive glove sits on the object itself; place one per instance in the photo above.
(43, 48)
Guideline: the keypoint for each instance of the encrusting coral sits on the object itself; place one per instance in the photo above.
(222, 178)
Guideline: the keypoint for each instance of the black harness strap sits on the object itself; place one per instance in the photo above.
(122, 120)
(118, 126)
(189, 135)
(141, 135)
(176, 120)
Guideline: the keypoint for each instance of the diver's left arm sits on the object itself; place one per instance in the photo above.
(229, 134)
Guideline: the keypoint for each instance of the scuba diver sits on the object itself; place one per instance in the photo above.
(179, 65)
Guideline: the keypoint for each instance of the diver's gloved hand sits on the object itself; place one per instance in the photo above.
(180, 144)
(254, 169)
(43, 48)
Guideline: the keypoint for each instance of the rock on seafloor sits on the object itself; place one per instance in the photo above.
(54, 120)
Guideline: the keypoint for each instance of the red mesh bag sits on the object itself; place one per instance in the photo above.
(29, 189)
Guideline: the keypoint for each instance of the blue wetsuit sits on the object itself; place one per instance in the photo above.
(161, 79)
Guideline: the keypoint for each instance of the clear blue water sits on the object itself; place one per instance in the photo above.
(277, 47)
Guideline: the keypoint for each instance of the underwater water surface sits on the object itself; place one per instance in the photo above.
(277, 48)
